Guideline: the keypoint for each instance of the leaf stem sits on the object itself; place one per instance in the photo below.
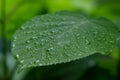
(13, 10)
(4, 38)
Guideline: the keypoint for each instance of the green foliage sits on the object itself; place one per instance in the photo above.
(108, 8)
(62, 37)
(81, 5)
(18, 11)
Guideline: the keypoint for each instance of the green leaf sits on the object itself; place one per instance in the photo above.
(21, 8)
(62, 37)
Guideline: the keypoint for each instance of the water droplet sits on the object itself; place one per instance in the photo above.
(78, 38)
(65, 47)
(52, 31)
(112, 42)
(28, 48)
(103, 39)
(51, 37)
(21, 61)
(46, 40)
(72, 22)
(27, 41)
(84, 37)
(78, 35)
(99, 39)
(22, 28)
(50, 49)
(42, 40)
(14, 40)
(17, 56)
(33, 38)
(67, 54)
(23, 66)
(48, 34)
(40, 64)
(95, 32)
(31, 63)
(63, 19)
(79, 54)
(41, 44)
(87, 42)
(35, 43)
(37, 61)
(13, 45)
(15, 37)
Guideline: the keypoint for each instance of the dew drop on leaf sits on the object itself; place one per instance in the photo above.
(37, 61)
(27, 41)
(103, 39)
(21, 61)
(95, 32)
(87, 42)
(112, 42)
(22, 28)
(28, 48)
(52, 31)
(13, 45)
(17, 56)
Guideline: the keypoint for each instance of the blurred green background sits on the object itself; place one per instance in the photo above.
(97, 67)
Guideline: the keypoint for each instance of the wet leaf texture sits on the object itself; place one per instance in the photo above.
(62, 37)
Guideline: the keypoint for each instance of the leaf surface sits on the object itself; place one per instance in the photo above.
(62, 37)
